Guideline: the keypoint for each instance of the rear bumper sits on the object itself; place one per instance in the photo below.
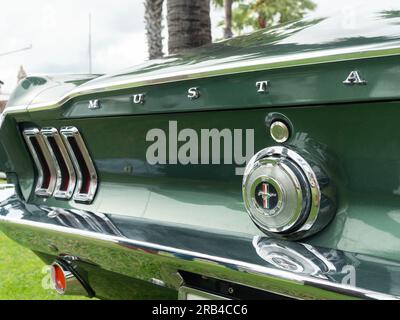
(156, 253)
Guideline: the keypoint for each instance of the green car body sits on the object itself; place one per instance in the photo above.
(174, 222)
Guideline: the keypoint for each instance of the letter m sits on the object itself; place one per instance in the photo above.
(215, 136)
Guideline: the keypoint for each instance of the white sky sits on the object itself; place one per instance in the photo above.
(58, 31)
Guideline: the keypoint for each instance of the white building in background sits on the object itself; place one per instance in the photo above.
(3, 97)
(21, 74)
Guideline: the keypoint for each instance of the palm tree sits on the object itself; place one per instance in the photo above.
(153, 22)
(260, 14)
(189, 24)
(227, 4)
(228, 19)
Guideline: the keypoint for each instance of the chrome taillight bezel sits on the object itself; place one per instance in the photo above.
(43, 187)
(76, 148)
(60, 191)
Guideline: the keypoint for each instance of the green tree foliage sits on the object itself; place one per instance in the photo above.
(260, 14)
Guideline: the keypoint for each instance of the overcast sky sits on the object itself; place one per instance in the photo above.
(58, 31)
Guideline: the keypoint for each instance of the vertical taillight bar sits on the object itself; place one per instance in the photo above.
(66, 177)
(47, 175)
(87, 180)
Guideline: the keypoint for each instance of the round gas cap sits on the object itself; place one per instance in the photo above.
(281, 192)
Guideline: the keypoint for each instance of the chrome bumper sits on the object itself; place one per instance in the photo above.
(158, 253)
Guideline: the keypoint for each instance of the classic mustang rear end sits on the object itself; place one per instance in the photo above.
(266, 166)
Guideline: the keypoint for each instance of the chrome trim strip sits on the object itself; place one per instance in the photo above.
(52, 214)
(39, 190)
(297, 282)
(72, 132)
(72, 220)
(58, 193)
(265, 63)
(6, 186)
(69, 218)
(108, 222)
(93, 223)
(95, 220)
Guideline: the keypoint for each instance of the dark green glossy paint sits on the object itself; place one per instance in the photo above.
(45, 88)
(351, 140)
(307, 85)
(114, 286)
(352, 129)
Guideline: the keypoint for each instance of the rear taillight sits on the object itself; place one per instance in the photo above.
(66, 177)
(66, 281)
(58, 278)
(63, 163)
(86, 173)
(47, 173)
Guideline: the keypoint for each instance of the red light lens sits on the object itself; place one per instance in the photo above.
(59, 278)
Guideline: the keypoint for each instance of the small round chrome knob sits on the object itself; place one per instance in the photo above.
(279, 131)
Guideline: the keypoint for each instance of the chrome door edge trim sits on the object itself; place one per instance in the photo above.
(181, 254)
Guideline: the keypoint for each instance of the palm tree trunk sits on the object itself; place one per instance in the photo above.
(228, 19)
(153, 22)
(189, 24)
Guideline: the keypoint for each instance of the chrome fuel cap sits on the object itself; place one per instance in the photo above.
(275, 193)
(281, 193)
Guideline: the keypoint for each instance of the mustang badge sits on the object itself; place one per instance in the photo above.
(266, 196)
